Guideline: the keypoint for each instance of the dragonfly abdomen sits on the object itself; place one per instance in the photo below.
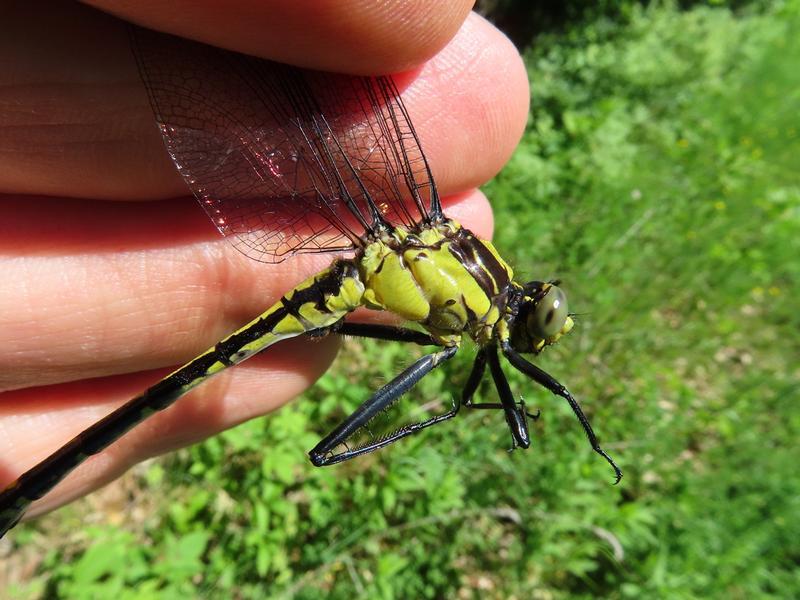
(318, 303)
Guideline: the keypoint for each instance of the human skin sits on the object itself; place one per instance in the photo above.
(111, 276)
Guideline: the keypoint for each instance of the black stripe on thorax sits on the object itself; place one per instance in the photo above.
(489, 273)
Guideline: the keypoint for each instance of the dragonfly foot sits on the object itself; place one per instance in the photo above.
(317, 459)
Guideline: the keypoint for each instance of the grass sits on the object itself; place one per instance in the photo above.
(658, 179)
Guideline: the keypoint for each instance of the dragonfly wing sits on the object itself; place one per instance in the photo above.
(285, 160)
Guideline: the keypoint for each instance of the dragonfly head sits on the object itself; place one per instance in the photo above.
(543, 317)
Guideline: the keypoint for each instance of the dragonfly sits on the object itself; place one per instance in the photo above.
(288, 161)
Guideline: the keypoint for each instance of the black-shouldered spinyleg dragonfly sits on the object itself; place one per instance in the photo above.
(288, 161)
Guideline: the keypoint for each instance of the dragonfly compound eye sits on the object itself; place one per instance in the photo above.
(550, 314)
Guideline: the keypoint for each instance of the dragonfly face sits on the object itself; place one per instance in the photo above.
(542, 317)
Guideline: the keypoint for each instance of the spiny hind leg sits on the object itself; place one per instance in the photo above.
(322, 453)
(387, 333)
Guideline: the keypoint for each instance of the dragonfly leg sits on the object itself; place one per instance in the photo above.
(385, 332)
(321, 454)
(478, 368)
(475, 376)
(548, 382)
(515, 414)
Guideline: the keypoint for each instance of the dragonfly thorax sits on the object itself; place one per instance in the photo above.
(441, 276)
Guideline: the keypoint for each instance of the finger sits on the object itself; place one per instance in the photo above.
(349, 36)
(97, 288)
(36, 422)
(75, 120)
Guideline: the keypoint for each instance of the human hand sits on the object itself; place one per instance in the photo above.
(100, 297)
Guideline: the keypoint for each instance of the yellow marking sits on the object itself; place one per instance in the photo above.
(347, 298)
(568, 325)
(429, 284)
(310, 313)
(502, 330)
(212, 370)
(485, 330)
(430, 237)
(394, 287)
(444, 337)
(450, 289)
(492, 316)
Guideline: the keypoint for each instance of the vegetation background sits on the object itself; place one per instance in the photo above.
(658, 179)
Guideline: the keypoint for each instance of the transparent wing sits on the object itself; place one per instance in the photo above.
(285, 160)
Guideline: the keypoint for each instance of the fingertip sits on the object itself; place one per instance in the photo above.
(472, 210)
(470, 103)
(353, 36)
